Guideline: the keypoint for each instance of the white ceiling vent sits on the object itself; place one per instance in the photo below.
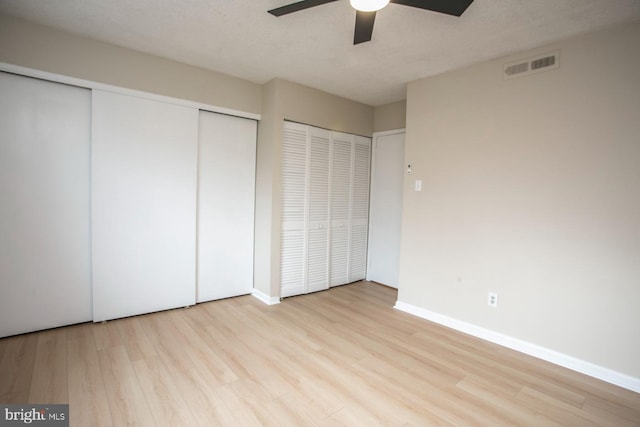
(533, 65)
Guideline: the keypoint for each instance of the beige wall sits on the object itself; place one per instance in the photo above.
(390, 116)
(43, 48)
(267, 244)
(531, 189)
(283, 100)
(311, 106)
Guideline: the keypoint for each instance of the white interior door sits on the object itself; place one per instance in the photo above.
(226, 200)
(386, 208)
(45, 266)
(143, 183)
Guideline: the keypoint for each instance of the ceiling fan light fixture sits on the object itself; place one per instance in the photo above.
(368, 5)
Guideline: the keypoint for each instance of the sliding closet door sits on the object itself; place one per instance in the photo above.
(144, 173)
(226, 200)
(45, 273)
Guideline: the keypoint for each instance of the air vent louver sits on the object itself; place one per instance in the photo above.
(536, 64)
(545, 62)
(523, 67)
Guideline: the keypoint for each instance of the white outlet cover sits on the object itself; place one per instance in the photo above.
(492, 299)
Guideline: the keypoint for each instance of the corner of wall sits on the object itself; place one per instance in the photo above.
(390, 116)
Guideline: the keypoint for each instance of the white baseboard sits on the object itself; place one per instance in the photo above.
(578, 365)
(265, 298)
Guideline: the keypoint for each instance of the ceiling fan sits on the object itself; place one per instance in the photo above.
(366, 11)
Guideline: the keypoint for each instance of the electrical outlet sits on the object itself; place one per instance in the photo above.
(492, 299)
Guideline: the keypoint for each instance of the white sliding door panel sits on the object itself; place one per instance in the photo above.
(226, 200)
(318, 216)
(386, 209)
(342, 158)
(45, 266)
(144, 174)
(294, 202)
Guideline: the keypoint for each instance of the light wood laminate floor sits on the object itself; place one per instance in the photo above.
(340, 357)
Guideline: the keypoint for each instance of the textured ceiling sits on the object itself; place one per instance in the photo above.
(314, 47)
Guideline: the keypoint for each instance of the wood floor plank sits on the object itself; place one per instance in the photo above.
(357, 416)
(317, 398)
(620, 413)
(3, 346)
(282, 412)
(198, 392)
(239, 404)
(439, 402)
(505, 401)
(563, 413)
(106, 334)
(165, 401)
(127, 402)
(49, 382)
(16, 368)
(135, 339)
(203, 357)
(500, 368)
(344, 357)
(88, 404)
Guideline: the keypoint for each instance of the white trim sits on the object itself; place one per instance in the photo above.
(570, 362)
(265, 298)
(88, 84)
(389, 132)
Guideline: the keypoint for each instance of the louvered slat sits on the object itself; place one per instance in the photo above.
(358, 256)
(319, 175)
(292, 263)
(294, 159)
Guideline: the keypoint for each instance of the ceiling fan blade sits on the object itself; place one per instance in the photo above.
(300, 5)
(450, 7)
(364, 27)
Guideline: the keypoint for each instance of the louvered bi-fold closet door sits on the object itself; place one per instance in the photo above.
(317, 255)
(341, 178)
(304, 265)
(359, 208)
(325, 208)
(293, 207)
